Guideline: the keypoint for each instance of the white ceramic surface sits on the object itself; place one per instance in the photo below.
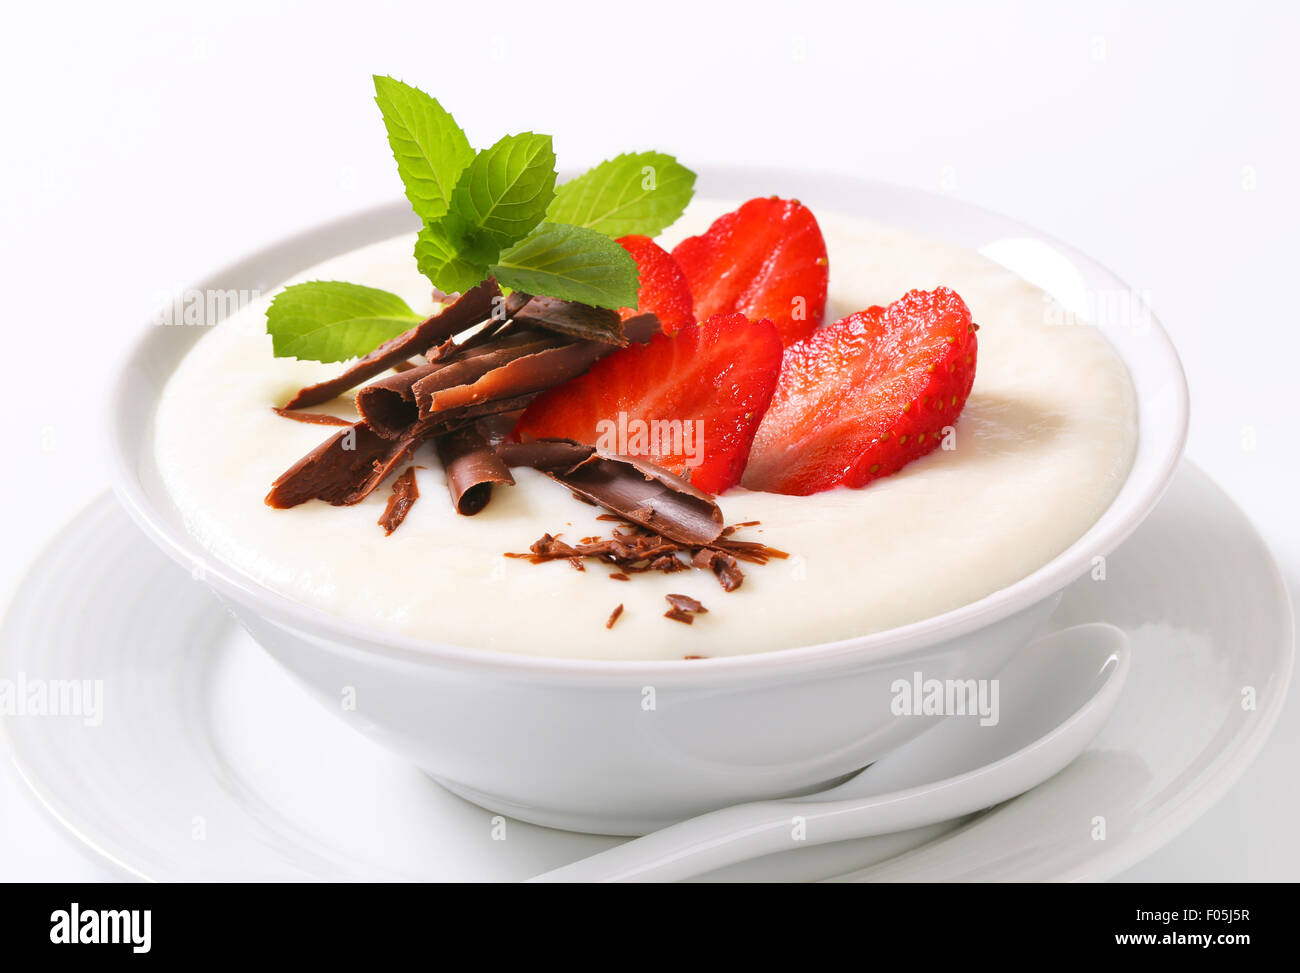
(1055, 696)
(570, 743)
(211, 764)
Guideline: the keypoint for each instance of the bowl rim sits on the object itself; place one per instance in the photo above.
(363, 640)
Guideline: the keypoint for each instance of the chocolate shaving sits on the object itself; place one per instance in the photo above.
(513, 366)
(686, 603)
(634, 550)
(521, 363)
(549, 456)
(613, 616)
(469, 309)
(313, 418)
(472, 467)
(405, 493)
(571, 318)
(388, 406)
(632, 488)
(456, 387)
(722, 564)
(342, 470)
(677, 615)
(516, 301)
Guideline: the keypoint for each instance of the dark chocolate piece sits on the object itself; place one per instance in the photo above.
(634, 550)
(613, 616)
(388, 405)
(549, 456)
(472, 467)
(634, 489)
(648, 496)
(342, 470)
(571, 318)
(723, 565)
(521, 363)
(405, 493)
(470, 308)
(516, 301)
(313, 418)
(677, 615)
(686, 603)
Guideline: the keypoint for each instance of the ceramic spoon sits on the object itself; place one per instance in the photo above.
(1053, 698)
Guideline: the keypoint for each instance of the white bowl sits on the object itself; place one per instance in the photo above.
(574, 743)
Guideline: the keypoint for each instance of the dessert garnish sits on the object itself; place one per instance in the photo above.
(673, 384)
(863, 397)
(472, 467)
(663, 291)
(562, 323)
(683, 608)
(633, 549)
(644, 494)
(296, 311)
(766, 259)
(405, 493)
(312, 418)
(613, 616)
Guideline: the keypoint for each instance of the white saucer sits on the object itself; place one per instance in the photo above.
(212, 764)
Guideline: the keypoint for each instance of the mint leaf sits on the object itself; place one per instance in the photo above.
(572, 263)
(641, 192)
(331, 321)
(451, 255)
(505, 191)
(430, 149)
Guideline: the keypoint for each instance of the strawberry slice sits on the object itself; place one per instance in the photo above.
(866, 395)
(765, 260)
(689, 401)
(664, 291)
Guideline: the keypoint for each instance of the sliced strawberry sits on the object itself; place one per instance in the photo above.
(866, 395)
(765, 260)
(689, 401)
(664, 291)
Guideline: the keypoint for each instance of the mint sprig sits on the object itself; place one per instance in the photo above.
(497, 201)
(642, 192)
(505, 191)
(572, 263)
(496, 212)
(430, 149)
(331, 321)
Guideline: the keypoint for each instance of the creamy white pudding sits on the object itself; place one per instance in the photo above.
(1042, 447)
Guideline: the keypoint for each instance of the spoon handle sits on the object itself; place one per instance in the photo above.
(746, 831)
(689, 848)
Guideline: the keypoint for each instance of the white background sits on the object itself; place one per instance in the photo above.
(144, 145)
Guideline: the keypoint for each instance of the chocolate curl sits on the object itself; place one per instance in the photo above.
(390, 405)
(470, 308)
(532, 363)
(634, 489)
(312, 418)
(576, 320)
(472, 467)
(405, 493)
(342, 470)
